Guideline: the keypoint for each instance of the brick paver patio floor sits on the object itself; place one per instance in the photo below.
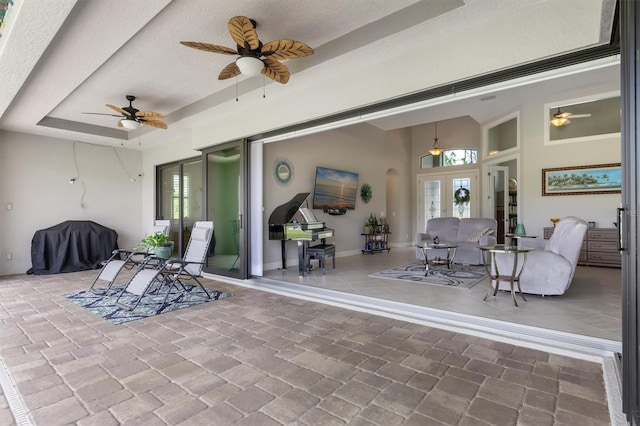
(259, 358)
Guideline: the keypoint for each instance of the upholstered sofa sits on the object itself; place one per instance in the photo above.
(549, 269)
(469, 233)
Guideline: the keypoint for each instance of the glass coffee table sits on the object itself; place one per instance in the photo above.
(489, 256)
(451, 254)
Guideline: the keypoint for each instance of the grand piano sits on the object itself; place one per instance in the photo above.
(295, 221)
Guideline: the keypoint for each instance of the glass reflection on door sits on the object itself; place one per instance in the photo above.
(180, 200)
(224, 206)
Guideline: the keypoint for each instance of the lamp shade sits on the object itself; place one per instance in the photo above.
(249, 65)
(130, 124)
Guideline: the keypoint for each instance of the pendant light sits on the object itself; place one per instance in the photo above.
(436, 150)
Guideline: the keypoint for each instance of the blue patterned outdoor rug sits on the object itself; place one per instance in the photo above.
(460, 276)
(151, 304)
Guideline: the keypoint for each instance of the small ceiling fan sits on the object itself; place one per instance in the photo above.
(560, 119)
(131, 117)
(255, 57)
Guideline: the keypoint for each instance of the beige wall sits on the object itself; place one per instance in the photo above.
(535, 156)
(361, 149)
(34, 179)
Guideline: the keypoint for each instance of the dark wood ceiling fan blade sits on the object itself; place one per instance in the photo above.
(207, 47)
(243, 32)
(286, 49)
(154, 123)
(229, 71)
(275, 70)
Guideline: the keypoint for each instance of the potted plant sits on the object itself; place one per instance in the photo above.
(371, 225)
(159, 244)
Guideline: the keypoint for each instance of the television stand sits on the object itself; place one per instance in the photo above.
(335, 212)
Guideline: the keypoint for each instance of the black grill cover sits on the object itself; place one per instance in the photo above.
(71, 246)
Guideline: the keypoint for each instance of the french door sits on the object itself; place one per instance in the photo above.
(446, 194)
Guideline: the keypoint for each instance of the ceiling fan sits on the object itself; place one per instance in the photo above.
(131, 117)
(255, 57)
(562, 118)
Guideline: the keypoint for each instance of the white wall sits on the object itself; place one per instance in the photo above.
(34, 179)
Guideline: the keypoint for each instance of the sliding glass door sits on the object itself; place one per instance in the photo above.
(225, 183)
(180, 199)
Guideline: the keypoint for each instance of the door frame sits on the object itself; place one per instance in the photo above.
(492, 201)
(627, 219)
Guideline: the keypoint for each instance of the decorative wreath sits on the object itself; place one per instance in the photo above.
(461, 196)
(365, 192)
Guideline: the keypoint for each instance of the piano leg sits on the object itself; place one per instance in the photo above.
(283, 249)
(302, 257)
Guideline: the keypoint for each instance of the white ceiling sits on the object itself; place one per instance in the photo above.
(60, 59)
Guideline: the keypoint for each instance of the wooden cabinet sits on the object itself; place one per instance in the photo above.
(599, 247)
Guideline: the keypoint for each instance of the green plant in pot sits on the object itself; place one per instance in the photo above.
(159, 244)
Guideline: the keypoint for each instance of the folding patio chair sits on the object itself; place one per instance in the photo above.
(123, 259)
(173, 272)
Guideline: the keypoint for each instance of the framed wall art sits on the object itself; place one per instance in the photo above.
(580, 180)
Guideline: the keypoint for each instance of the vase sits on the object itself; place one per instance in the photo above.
(163, 252)
(520, 230)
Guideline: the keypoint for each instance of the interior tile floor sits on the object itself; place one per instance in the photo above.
(592, 306)
(260, 358)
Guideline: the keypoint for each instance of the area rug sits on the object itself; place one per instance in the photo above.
(460, 276)
(105, 307)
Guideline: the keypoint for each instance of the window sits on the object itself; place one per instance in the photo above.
(175, 196)
(583, 119)
(458, 157)
(449, 157)
(501, 136)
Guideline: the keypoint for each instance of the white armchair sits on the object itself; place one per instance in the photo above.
(550, 268)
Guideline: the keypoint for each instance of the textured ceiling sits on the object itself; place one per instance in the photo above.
(61, 59)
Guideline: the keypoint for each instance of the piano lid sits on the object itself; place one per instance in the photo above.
(285, 212)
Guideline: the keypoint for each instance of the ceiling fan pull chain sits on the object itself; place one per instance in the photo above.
(236, 88)
(264, 95)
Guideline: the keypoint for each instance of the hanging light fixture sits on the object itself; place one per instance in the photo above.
(436, 150)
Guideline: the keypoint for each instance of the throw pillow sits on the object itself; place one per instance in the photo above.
(478, 233)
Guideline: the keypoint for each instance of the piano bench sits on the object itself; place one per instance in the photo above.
(320, 252)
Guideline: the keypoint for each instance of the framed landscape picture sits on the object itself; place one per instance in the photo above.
(578, 180)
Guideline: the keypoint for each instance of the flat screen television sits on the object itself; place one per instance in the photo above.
(335, 190)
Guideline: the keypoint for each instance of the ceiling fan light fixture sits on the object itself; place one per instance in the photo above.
(249, 65)
(559, 121)
(436, 150)
(129, 124)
